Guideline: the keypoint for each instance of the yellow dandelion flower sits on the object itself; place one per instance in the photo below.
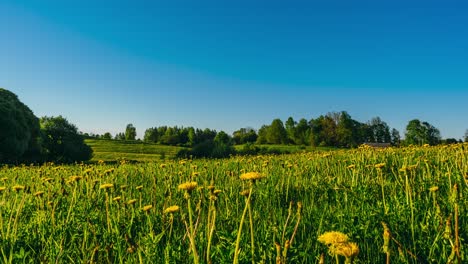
(348, 250)
(147, 207)
(245, 193)
(379, 165)
(139, 187)
(171, 209)
(352, 166)
(106, 186)
(216, 192)
(251, 176)
(4, 179)
(116, 199)
(188, 186)
(333, 238)
(3, 188)
(75, 178)
(434, 188)
(195, 174)
(39, 193)
(162, 166)
(132, 201)
(17, 188)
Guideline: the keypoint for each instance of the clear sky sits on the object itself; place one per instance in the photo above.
(232, 64)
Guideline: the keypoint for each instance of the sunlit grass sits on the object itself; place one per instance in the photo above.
(399, 205)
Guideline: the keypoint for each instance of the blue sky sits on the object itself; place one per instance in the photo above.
(231, 64)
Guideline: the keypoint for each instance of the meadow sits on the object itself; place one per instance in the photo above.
(394, 205)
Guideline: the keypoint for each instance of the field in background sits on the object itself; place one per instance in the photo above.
(115, 150)
(112, 150)
(123, 213)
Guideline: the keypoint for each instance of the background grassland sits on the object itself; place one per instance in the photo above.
(111, 150)
(351, 191)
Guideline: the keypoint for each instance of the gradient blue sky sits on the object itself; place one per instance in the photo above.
(231, 64)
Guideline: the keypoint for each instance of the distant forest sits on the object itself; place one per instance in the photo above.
(335, 129)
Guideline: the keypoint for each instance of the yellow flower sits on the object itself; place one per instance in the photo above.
(106, 186)
(245, 192)
(39, 193)
(251, 176)
(162, 166)
(116, 199)
(352, 166)
(2, 188)
(75, 178)
(216, 192)
(17, 188)
(379, 165)
(333, 238)
(139, 187)
(147, 208)
(434, 188)
(188, 186)
(348, 250)
(171, 209)
(132, 201)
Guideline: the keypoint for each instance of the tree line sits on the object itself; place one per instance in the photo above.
(26, 138)
(335, 129)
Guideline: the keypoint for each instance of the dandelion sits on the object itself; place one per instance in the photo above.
(4, 179)
(251, 176)
(245, 193)
(2, 189)
(333, 238)
(216, 192)
(75, 178)
(162, 166)
(171, 209)
(188, 186)
(379, 165)
(17, 188)
(132, 201)
(347, 250)
(352, 166)
(139, 187)
(146, 208)
(39, 193)
(434, 188)
(116, 199)
(106, 186)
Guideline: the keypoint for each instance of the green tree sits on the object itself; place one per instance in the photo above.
(244, 135)
(379, 131)
(61, 141)
(19, 130)
(130, 132)
(302, 132)
(395, 137)
(262, 135)
(277, 133)
(466, 136)
(419, 133)
(151, 135)
(290, 126)
(107, 135)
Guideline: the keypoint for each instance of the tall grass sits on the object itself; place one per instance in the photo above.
(67, 214)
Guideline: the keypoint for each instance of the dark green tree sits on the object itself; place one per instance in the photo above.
(277, 133)
(151, 135)
(244, 135)
(130, 132)
(466, 136)
(262, 135)
(379, 131)
(395, 135)
(419, 133)
(61, 141)
(290, 126)
(107, 135)
(19, 130)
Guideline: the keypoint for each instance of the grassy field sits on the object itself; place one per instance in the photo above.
(406, 205)
(112, 150)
